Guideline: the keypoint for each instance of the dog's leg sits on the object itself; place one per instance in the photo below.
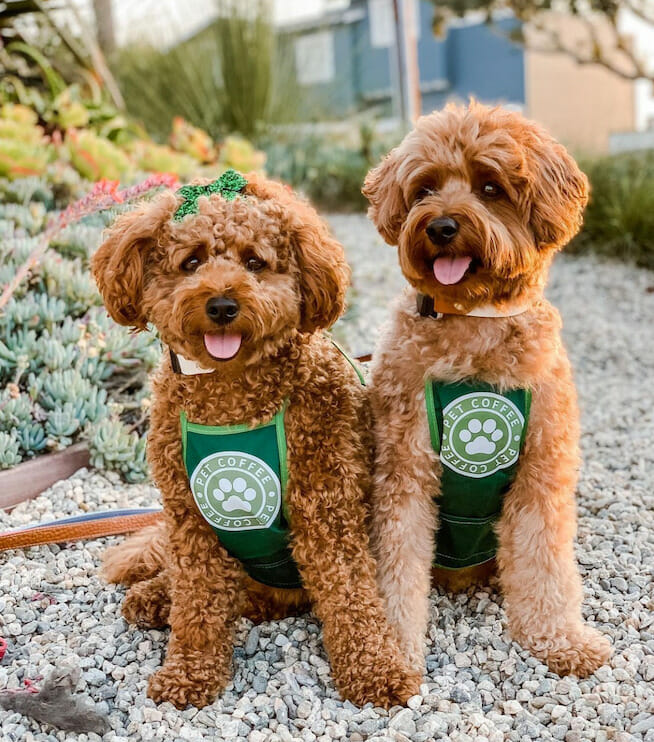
(331, 548)
(339, 573)
(536, 560)
(205, 603)
(147, 603)
(403, 512)
(139, 557)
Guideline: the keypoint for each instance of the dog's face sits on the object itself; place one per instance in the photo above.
(227, 285)
(477, 201)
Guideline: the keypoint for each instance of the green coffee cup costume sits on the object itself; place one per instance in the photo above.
(478, 432)
(238, 479)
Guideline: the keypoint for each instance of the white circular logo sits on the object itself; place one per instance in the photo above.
(236, 491)
(481, 434)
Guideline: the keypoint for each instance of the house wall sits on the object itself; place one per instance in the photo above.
(582, 105)
(472, 60)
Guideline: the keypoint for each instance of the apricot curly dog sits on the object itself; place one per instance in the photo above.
(260, 437)
(476, 414)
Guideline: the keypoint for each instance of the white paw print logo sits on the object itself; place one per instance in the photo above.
(481, 438)
(234, 495)
(481, 434)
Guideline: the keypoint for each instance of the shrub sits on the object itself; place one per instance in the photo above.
(233, 76)
(328, 171)
(619, 220)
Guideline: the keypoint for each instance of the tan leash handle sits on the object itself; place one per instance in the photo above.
(57, 533)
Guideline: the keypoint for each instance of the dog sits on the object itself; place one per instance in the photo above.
(260, 437)
(476, 420)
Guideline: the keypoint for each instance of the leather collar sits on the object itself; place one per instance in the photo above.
(425, 306)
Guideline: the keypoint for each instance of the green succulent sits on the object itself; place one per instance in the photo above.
(32, 438)
(113, 446)
(15, 412)
(61, 426)
(9, 450)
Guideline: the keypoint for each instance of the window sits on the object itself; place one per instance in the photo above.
(382, 20)
(314, 57)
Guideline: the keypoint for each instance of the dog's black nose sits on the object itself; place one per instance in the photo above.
(442, 230)
(222, 310)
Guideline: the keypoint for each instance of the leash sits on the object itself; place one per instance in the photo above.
(80, 527)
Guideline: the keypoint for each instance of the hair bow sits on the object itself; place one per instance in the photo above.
(229, 185)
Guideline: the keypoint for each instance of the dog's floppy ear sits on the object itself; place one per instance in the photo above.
(387, 206)
(117, 266)
(559, 194)
(324, 274)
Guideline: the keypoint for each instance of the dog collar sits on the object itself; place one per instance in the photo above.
(425, 306)
(186, 367)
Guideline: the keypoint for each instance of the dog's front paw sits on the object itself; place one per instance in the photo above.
(180, 685)
(386, 687)
(145, 607)
(383, 677)
(578, 650)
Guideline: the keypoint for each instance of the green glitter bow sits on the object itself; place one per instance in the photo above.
(229, 185)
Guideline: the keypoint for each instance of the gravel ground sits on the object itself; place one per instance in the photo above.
(480, 685)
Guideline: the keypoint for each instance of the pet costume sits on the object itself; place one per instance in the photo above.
(478, 431)
(238, 476)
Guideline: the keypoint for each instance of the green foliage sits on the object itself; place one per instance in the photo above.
(9, 449)
(330, 173)
(234, 76)
(619, 220)
(113, 446)
(95, 157)
(67, 371)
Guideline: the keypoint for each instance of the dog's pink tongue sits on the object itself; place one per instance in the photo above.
(222, 346)
(449, 270)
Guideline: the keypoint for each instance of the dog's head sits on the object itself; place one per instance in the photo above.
(230, 283)
(477, 200)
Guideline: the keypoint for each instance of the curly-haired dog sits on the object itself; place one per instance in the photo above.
(476, 414)
(259, 442)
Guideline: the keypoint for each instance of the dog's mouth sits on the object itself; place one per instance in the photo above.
(223, 346)
(450, 269)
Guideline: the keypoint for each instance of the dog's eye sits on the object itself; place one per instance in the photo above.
(191, 264)
(255, 265)
(491, 190)
(422, 193)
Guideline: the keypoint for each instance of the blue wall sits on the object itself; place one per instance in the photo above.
(471, 60)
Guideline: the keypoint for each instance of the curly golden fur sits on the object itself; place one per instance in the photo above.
(179, 573)
(517, 197)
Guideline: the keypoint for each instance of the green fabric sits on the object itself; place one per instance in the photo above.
(352, 362)
(479, 432)
(229, 185)
(238, 479)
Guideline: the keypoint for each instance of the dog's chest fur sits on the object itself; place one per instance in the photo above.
(508, 352)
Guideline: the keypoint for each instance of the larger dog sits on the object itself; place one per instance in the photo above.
(476, 414)
(259, 438)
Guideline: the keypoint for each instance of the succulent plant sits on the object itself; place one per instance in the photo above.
(114, 446)
(67, 371)
(19, 158)
(94, 157)
(193, 141)
(9, 450)
(159, 158)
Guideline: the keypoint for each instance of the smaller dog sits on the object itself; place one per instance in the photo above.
(476, 415)
(259, 442)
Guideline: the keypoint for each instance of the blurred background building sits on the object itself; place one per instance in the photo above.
(348, 59)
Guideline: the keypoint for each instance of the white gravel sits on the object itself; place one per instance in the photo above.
(480, 685)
